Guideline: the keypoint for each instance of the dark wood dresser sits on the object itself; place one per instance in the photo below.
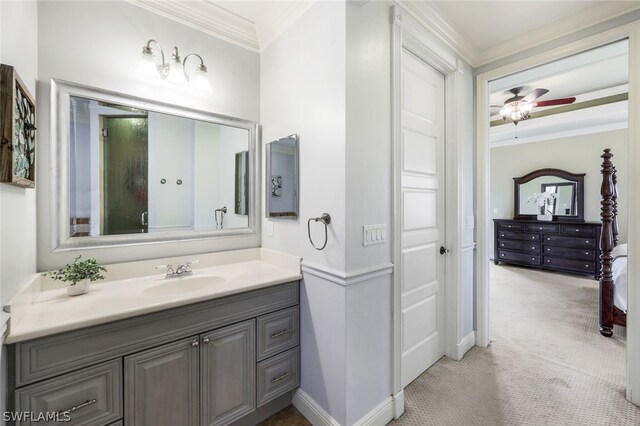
(558, 246)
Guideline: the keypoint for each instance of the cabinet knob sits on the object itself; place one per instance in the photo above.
(205, 339)
(586, 266)
(533, 247)
(541, 227)
(587, 253)
(577, 230)
(195, 343)
(533, 258)
(502, 255)
(587, 241)
(533, 238)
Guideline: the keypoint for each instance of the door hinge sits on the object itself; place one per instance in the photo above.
(105, 133)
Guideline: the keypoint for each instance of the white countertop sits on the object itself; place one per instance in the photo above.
(52, 311)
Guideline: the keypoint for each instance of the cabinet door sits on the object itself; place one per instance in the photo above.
(228, 373)
(161, 385)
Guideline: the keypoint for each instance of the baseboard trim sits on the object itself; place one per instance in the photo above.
(468, 342)
(379, 416)
(398, 404)
(311, 410)
(350, 278)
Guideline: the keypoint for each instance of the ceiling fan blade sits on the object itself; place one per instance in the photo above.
(534, 95)
(552, 102)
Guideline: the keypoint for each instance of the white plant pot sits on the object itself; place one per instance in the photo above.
(545, 217)
(78, 288)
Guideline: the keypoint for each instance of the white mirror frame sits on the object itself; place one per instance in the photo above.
(61, 92)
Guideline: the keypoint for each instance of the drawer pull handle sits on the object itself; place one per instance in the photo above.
(533, 247)
(502, 244)
(548, 239)
(502, 255)
(533, 258)
(548, 249)
(280, 333)
(533, 238)
(205, 339)
(79, 406)
(548, 260)
(280, 378)
(587, 253)
(195, 343)
(541, 227)
(577, 230)
(586, 266)
(587, 241)
(502, 235)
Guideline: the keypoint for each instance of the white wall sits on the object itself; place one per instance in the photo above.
(106, 58)
(579, 154)
(17, 205)
(368, 180)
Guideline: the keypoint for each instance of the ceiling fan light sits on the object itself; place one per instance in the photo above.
(505, 112)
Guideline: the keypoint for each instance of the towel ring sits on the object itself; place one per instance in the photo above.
(326, 220)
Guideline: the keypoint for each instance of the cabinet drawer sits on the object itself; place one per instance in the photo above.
(578, 230)
(574, 265)
(577, 242)
(278, 332)
(92, 396)
(574, 253)
(520, 246)
(519, 257)
(278, 375)
(538, 227)
(518, 236)
(510, 226)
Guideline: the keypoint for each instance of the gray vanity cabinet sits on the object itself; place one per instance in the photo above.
(234, 359)
(228, 373)
(161, 385)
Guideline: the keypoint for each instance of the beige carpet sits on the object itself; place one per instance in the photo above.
(547, 363)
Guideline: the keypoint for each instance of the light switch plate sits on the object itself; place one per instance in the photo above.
(374, 234)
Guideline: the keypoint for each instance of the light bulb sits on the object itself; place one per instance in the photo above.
(505, 111)
(176, 73)
(147, 66)
(199, 79)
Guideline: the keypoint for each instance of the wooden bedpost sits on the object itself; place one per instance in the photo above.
(615, 206)
(607, 190)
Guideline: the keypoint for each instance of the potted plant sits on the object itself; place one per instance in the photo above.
(544, 200)
(78, 275)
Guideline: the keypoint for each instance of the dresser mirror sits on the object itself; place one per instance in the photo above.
(282, 178)
(134, 171)
(564, 194)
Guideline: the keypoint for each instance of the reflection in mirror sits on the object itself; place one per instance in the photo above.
(135, 171)
(550, 192)
(564, 203)
(282, 178)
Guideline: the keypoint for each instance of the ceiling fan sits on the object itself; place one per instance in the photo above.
(518, 108)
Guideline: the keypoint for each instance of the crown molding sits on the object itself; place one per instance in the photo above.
(272, 28)
(436, 24)
(433, 21)
(587, 18)
(207, 17)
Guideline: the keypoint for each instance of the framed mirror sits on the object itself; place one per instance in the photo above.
(564, 191)
(129, 171)
(282, 178)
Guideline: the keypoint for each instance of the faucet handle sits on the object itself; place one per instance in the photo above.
(190, 263)
(168, 268)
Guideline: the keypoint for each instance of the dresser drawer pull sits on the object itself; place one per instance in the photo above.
(577, 230)
(509, 226)
(533, 258)
(533, 238)
(587, 242)
(280, 333)
(586, 266)
(280, 378)
(79, 406)
(502, 235)
(548, 249)
(548, 260)
(549, 239)
(587, 253)
(502, 255)
(502, 245)
(533, 247)
(540, 228)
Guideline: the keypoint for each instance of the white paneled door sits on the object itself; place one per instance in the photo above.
(422, 212)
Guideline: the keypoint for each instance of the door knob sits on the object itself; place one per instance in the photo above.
(443, 250)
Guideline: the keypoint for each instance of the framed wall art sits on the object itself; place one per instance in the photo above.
(18, 130)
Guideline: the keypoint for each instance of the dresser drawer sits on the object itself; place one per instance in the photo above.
(581, 230)
(278, 375)
(570, 264)
(574, 253)
(92, 396)
(577, 242)
(523, 246)
(277, 332)
(518, 236)
(538, 227)
(510, 226)
(529, 259)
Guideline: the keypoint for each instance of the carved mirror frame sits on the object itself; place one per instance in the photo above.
(575, 177)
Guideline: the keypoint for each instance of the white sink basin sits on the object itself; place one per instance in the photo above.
(183, 285)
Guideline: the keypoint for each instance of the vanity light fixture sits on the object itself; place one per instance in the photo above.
(174, 71)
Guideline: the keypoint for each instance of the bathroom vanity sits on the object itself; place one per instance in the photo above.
(220, 354)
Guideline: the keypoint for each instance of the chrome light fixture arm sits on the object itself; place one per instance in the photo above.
(163, 68)
(201, 67)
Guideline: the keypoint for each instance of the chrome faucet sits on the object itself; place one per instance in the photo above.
(180, 271)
